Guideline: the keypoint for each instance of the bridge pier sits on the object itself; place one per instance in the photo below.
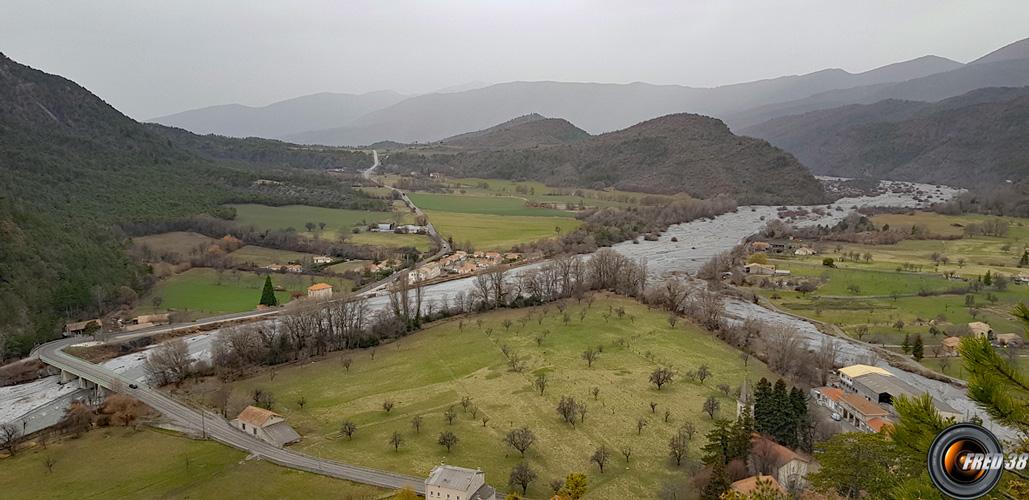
(65, 377)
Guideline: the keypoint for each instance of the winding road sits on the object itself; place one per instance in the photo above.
(217, 428)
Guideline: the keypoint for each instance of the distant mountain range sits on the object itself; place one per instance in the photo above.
(671, 154)
(596, 107)
(292, 116)
(978, 138)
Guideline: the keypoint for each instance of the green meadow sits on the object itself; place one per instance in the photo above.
(122, 463)
(205, 291)
(338, 222)
(434, 369)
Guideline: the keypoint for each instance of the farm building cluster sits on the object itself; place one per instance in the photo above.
(461, 263)
(863, 395)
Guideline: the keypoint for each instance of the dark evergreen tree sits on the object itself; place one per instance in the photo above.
(742, 430)
(268, 294)
(763, 406)
(1024, 261)
(721, 443)
(918, 349)
(718, 484)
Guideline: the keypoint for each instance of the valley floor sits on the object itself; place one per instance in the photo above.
(433, 370)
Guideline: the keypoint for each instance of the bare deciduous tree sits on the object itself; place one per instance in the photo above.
(678, 446)
(396, 440)
(540, 383)
(10, 437)
(520, 439)
(568, 409)
(661, 376)
(447, 439)
(600, 457)
(348, 429)
(590, 355)
(711, 406)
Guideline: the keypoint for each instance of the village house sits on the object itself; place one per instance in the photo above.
(1009, 340)
(319, 291)
(426, 272)
(748, 485)
(804, 251)
(448, 482)
(383, 227)
(268, 426)
(412, 229)
(759, 269)
(950, 345)
(980, 329)
(1021, 279)
(322, 259)
(81, 327)
(759, 246)
(788, 467)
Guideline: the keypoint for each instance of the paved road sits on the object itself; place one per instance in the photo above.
(444, 246)
(217, 428)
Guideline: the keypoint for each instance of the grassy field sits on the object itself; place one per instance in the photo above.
(432, 370)
(261, 256)
(206, 291)
(490, 205)
(498, 232)
(890, 303)
(536, 191)
(121, 463)
(337, 221)
(491, 222)
(353, 265)
(420, 242)
(179, 242)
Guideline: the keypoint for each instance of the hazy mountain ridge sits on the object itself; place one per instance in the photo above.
(1001, 68)
(279, 119)
(973, 139)
(676, 153)
(595, 107)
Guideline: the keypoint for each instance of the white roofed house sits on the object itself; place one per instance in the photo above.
(266, 425)
(448, 482)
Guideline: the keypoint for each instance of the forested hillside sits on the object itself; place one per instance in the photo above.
(73, 168)
(680, 153)
(973, 139)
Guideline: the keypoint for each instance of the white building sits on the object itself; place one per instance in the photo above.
(448, 482)
(266, 425)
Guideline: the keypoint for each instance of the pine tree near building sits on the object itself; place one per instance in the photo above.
(268, 294)
(718, 484)
(763, 406)
(918, 349)
(1024, 261)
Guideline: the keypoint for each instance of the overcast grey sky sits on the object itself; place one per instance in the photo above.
(153, 58)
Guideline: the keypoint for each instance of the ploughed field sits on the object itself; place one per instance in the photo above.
(124, 463)
(431, 371)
